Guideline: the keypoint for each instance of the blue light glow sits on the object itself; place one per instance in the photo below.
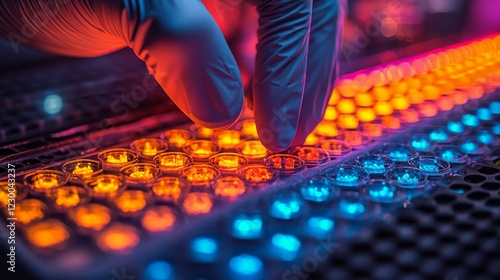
(469, 147)
(52, 104)
(204, 249)
(247, 227)
(286, 206)
(451, 155)
(455, 127)
(485, 137)
(399, 155)
(374, 164)
(431, 168)
(484, 114)
(382, 192)
(317, 189)
(246, 265)
(420, 143)
(351, 208)
(285, 246)
(470, 120)
(158, 270)
(495, 129)
(439, 135)
(320, 225)
(495, 107)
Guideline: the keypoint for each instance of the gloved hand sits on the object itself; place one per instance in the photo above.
(296, 60)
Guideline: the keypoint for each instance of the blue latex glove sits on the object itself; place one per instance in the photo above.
(183, 47)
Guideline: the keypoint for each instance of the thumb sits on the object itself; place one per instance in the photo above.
(178, 39)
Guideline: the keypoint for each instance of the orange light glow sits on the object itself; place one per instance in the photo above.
(409, 116)
(117, 158)
(45, 180)
(334, 97)
(106, 186)
(327, 128)
(285, 162)
(383, 108)
(445, 103)
(168, 189)
(68, 197)
(131, 201)
(171, 162)
(138, 174)
(347, 121)
(82, 168)
(400, 102)
(459, 97)
(29, 210)
(372, 129)
(90, 217)
(200, 175)
(249, 129)
(391, 122)
(347, 88)
(354, 138)
(228, 139)
(312, 138)
(364, 99)
(177, 138)
(227, 162)
(229, 187)
(335, 148)
(365, 114)
(330, 113)
(428, 109)
(148, 147)
(158, 219)
(257, 174)
(197, 203)
(201, 149)
(381, 93)
(117, 237)
(252, 149)
(346, 106)
(48, 234)
(311, 155)
(12, 192)
(202, 132)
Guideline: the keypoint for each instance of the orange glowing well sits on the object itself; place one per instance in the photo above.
(90, 217)
(140, 173)
(228, 139)
(311, 139)
(48, 234)
(391, 122)
(330, 113)
(177, 138)
(197, 203)
(11, 192)
(346, 106)
(45, 180)
(327, 128)
(252, 149)
(229, 187)
(158, 219)
(335, 148)
(227, 162)
(347, 121)
(257, 174)
(106, 186)
(117, 237)
(68, 197)
(148, 147)
(82, 168)
(286, 164)
(355, 139)
(311, 155)
(202, 132)
(249, 129)
(131, 201)
(171, 162)
(117, 157)
(200, 175)
(168, 189)
(201, 149)
(29, 210)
